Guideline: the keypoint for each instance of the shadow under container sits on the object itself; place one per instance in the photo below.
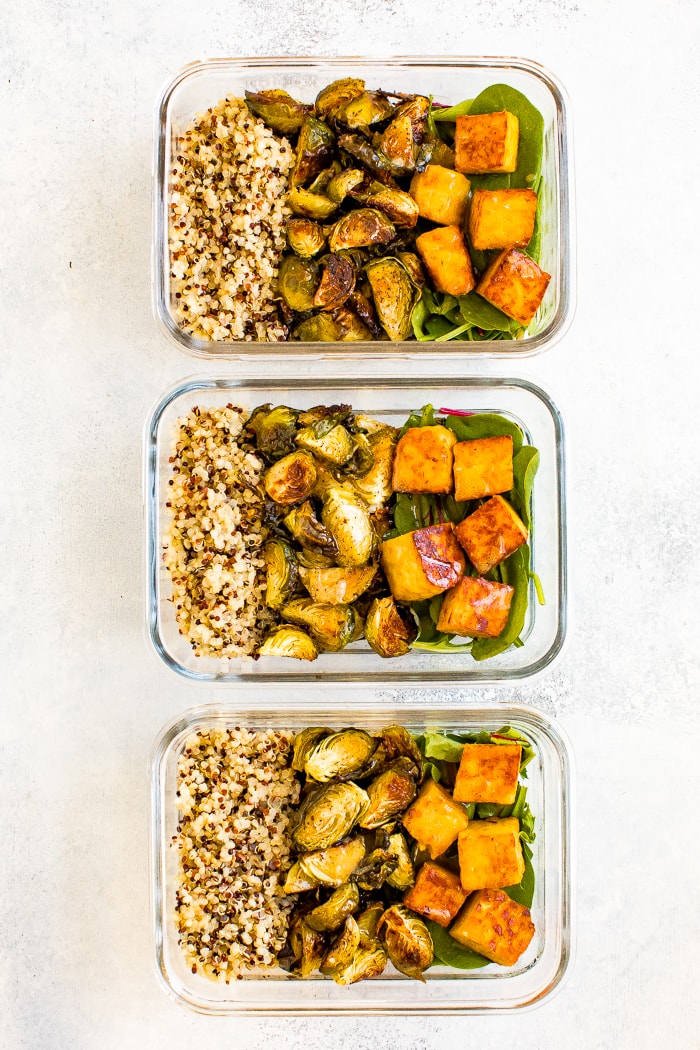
(448, 80)
(446, 990)
(391, 401)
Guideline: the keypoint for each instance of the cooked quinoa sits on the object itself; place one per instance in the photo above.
(236, 793)
(227, 225)
(212, 548)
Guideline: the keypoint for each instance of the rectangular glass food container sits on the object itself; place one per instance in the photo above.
(392, 401)
(448, 80)
(446, 990)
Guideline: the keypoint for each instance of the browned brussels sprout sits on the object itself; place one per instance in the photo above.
(337, 282)
(315, 147)
(361, 228)
(434, 151)
(298, 280)
(394, 296)
(342, 755)
(331, 915)
(397, 145)
(288, 640)
(291, 478)
(343, 183)
(370, 157)
(335, 865)
(310, 205)
(305, 237)
(309, 531)
(321, 328)
(338, 586)
(403, 876)
(367, 109)
(414, 267)
(397, 742)
(281, 572)
(389, 794)
(327, 439)
(375, 869)
(352, 329)
(416, 109)
(324, 178)
(375, 486)
(337, 93)
(364, 309)
(407, 941)
(308, 947)
(297, 881)
(328, 814)
(367, 921)
(304, 743)
(365, 963)
(275, 430)
(397, 204)
(389, 630)
(340, 955)
(346, 516)
(278, 110)
(332, 627)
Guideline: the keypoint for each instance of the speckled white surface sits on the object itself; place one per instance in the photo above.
(82, 362)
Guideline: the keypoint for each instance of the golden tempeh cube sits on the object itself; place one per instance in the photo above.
(447, 260)
(488, 773)
(434, 819)
(486, 142)
(423, 460)
(437, 894)
(495, 926)
(483, 467)
(491, 533)
(502, 218)
(441, 195)
(515, 284)
(475, 608)
(422, 563)
(490, 854)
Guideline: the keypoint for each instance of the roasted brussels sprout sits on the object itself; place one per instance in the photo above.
(307, 530)
(352, 328)
(297, 280)
(375, 486)
(389, 794)
(343, 183)
(374, 870)
(278, 110)
(304, 743)
(394, 296)
(414, 267)
(328, 814)
(340, 954)
(397, 204)
(297, 881)
(407, 941)
(288, 640)
(337, 94)
(274, 429)
(324, 178)
(328, 439)
(346, 516)
(341, 755)
(416, 109)
(369, 156)
(314, 149)
(403, 876)
(281, 572)
(321, 328)
(310, 559)
(364, 309)
(332, 627)
(337, 282)
(367, 921)
(330, 916)
(335, 865)
(397, 145)
(305, 237)
(338, 586)
(397, 742)
(310, 205)
(360, 228)
(291, 479)
(366, 962)
(367, 109)
(389, 629)
(308, 947)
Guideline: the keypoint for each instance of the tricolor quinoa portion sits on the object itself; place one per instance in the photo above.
(227, 225)
(212, 548)
(236, 793)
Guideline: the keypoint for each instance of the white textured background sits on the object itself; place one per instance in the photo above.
(82, 362)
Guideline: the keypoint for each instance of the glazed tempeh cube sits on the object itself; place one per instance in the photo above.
(488, 773)
(436, 894)
(475, 608)
(441, 195)
(422, 563)
(515, 284)
(483, 467)
(490, 854)
(423, 460)
(495, 926)
(447, 260)
(434, 819)
(502, 218)
(491, 534)
(486, 142)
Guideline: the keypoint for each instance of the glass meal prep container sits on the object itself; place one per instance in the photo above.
(390, 401)
(446, 990)
(449, 81)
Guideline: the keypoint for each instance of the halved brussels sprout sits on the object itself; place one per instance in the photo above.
(297, 881)
(366, 962)
(340, 954)
(389, 794)
(335, 865)
(308, 947)
(434, 151)
(277, 109)
(375, 486)
(398, 146)
(367, 109)
(337, 586)
(281, 572)
(364, 309)
(414, 267)
(337, 93)
(309, 531)
(310, 205)
(288, 640)
(291, 479)
(370, 157)
(361, 228)
(318, 412)
(416, 109)
(397, 742)
(341, 755)
(337, 282)
(332, 627)
(346, 516)
(324, 178)
(368, 920)
(331, 915)
(389, 629)
(394, 296)
(328, 814)
(321, 328)
(352, 329)
(274, 430)
(397, 204)
(343, 183)
(374, 870)
(407, 941)
(315, 146)
(309, 559)
(403, 876)
(297, 280)
(305, 237)
(304, 743)
(327, 439)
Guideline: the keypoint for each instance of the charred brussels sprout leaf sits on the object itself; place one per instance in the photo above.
(308, 947)
(397, 204)
(332, 914)
(341, 953)
(375, 869)
(278, 110)
(305, 527)
(275, 430)
(337, 282)
(314, 149)
(344, 183)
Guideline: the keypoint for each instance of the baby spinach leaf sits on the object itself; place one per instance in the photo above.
(443, 747)
(485, 424)
(477, 311)
(516, 571)
(524, 892)
(495, 99)
(450, 952)
(525, 463)
(452, 112)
